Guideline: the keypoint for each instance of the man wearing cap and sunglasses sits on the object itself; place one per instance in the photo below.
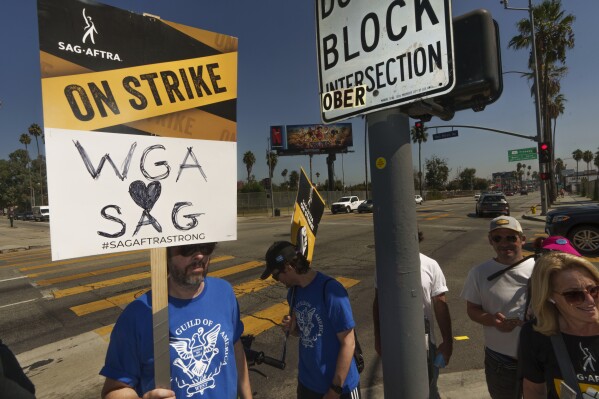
(207, 356)
(321, 317)
(495, 294)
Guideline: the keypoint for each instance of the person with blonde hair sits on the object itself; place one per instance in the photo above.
(565, 297)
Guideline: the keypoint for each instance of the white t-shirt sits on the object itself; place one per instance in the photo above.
(433, 284)
(505, 294)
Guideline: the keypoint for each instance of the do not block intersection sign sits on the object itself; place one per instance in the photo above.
(376, 57)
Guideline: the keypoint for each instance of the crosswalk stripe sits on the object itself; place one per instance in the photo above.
(92, 273)
(100, 284)
(265, 319)
(71, 261)
(140, 276)
(34, 275)
(103, 304)
(437, 216)
(123, 299)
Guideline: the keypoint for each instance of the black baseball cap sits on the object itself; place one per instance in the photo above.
(277, 255)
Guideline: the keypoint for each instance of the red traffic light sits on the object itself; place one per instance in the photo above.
(544, 146)
(544, 176)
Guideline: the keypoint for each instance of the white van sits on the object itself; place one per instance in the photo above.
(41, 213)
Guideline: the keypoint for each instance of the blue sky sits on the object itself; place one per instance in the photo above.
(278, 83)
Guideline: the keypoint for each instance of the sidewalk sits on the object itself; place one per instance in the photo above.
(19, 238)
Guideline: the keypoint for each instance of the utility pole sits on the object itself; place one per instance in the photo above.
(397, 256)
(542, 167)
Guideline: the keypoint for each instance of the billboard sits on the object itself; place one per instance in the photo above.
(310, 139)
(140, 125)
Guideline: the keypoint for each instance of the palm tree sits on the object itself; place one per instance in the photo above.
(284, 174)
(271, 162)
(249, 160)
(36, 131)
(554, 36)
(577, 155)
(26, 140)
(419, 137)
(559, 168)
(587, 157)
(317, 177)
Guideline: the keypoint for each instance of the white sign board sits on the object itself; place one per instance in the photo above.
(119, 192)
(380, 54)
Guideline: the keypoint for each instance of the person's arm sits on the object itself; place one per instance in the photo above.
(344, 358)
(289, 323)
(114, 389)
(497, 320)
(376, 323)
(244, 391)
(444, 321)
(532, 390)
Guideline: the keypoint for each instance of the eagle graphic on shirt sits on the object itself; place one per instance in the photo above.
(195, 358)
(305, 321)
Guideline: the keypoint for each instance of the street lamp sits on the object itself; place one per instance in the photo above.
(537, 95)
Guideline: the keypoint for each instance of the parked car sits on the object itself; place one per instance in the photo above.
(580, 225)
(492, 204)
(365, 206)
(41, 213)
(419, 199)
(24, 216)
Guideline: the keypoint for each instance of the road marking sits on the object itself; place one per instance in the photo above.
(100, 284)
(140, 276)
(461, 338)
(34, 275)
(10, 279)
(70, 261)
(18, 303)
(123, 299)
(100, 272)
(107, 303)
(263, 320)
(437, 216)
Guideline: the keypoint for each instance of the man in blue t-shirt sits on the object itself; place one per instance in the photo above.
(207, 360)
(322, 319)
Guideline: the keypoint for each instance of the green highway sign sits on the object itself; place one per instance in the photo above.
(523, 154)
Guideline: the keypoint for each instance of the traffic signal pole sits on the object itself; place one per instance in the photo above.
(542, 168)
(397, 256)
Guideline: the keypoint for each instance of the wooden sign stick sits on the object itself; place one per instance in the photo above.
(160, 326)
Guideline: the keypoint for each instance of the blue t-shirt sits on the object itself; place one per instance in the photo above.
(202, 333)
(318, 321)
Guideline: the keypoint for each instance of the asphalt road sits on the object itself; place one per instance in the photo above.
(43, 302)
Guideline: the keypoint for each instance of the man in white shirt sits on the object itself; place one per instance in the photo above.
(495, 294)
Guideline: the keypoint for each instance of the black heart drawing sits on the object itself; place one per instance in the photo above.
(144, 196)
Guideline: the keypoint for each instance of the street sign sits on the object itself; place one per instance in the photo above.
(372, 57)
(445, 135)
(523, 154)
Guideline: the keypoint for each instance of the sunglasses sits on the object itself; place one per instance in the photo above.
(578, 297)
(276, 272)
(511, 239)
(192, 249)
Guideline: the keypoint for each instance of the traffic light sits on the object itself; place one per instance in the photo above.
(419, 127)
(544, 152)
(544, 176)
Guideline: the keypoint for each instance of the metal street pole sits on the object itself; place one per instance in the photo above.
(366, 155)
(542, 167)
(397, 256)
(268, 156)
